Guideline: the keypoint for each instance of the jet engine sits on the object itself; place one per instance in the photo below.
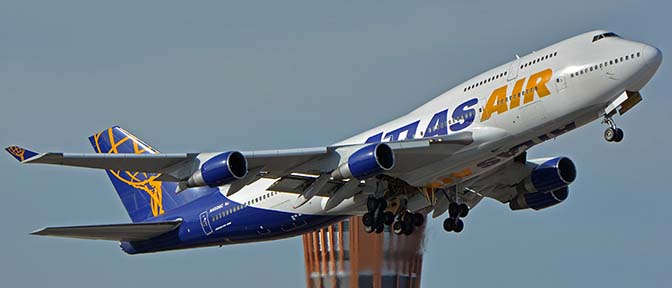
(366, 162)
(539, 200)
(219, 170)
(548, 175)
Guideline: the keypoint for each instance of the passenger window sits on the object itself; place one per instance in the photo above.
(627, 57)
(621, 59)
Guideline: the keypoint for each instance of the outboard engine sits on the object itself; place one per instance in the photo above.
(549, 175)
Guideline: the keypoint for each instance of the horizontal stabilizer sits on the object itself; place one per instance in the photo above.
(19, 153)
(117, 232)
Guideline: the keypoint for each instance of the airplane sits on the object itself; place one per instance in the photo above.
(467, 144)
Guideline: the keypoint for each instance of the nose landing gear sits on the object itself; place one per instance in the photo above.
(612, 133)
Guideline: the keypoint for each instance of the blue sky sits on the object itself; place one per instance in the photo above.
(215, 75)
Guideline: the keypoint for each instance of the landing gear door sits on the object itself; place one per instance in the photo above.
(561, 83)
(512, 73)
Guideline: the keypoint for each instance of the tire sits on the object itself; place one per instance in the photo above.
(418, 219)
(372, 204)
(619, 135)
(408, 230)
(453, 210)
(459, 226)
(449, 224)
(368, 229)
(378, 221)
(398, 228)
(464, 210)
(380, 228)
(388, 218)
(610, 134)
(367, 219)
(407, 219)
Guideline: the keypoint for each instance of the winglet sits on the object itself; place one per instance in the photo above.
(20, 154)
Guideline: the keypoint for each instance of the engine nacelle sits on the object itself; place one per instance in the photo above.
(539, 200)
(366, 162)
(550, 175)
(220, 170)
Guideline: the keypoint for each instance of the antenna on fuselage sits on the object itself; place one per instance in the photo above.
(517, 57)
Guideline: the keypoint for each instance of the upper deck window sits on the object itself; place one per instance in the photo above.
(604, 35)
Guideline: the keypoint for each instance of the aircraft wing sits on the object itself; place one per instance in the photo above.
(117, 232)
(409, 155)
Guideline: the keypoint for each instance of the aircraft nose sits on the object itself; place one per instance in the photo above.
(652, 56)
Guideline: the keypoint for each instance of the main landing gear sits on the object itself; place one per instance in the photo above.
(454, 223)
(613, 133)
(406, 222)
(376, 218)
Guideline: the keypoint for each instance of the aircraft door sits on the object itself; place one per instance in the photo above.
(512, 73)
(205, 223)
(561, 83)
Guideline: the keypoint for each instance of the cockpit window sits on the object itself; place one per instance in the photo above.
(604, 35)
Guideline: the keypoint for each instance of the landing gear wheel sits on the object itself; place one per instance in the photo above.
(619, 135)
(368, 229)
(453, 210)
(459, 225)
(610, 134)
(388, 218)
(398, 228)
(418, 219)
(408, 229)
(449, 224)
(407, 219)
(367, 219)
(464, 210)
(380, 228)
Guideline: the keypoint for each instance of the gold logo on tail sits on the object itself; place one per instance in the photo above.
(17, 152)
(142, 181)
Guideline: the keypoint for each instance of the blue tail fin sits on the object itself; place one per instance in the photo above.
(142, 195)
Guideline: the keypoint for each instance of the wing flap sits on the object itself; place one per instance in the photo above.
(297, 183)
(117, 232)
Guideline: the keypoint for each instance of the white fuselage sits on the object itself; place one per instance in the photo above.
(508, 109)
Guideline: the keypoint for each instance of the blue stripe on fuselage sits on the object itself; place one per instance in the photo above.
(249, 224)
